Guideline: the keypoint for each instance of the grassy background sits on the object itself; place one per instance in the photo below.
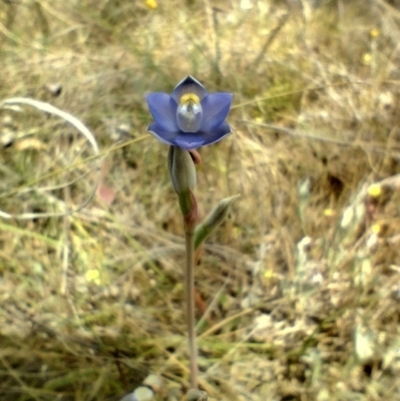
(299, 290)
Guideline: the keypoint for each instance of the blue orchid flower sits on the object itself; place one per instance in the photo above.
(189, 117)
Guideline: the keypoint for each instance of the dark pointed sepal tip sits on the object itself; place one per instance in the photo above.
(197, 254)
(190, 218)
(195, 156)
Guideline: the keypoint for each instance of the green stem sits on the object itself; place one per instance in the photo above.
(190, 305)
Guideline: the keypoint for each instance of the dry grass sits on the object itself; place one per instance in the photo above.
(302, 283)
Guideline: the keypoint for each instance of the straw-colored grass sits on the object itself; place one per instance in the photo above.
(299, 289)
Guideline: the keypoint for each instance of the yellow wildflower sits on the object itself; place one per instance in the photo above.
(374, 33)
(329, 212)
(374, 190)
(152, 4)
(93, 275)
(367, 58)
(376, 228)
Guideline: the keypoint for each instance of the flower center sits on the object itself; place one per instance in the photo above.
(189, 113)
(189, 98)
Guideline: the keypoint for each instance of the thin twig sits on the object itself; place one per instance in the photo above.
(274, 33)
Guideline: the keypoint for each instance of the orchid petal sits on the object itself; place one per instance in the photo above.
(190, 141)
(216, 108)
(163, 109)
(188, 85)
(216, 135)
(183, 140)
(161, 134)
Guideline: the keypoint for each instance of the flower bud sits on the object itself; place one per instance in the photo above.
(183, 175)
(213, 220)
(182, 170)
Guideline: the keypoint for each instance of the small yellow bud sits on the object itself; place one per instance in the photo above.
(269, 274)
(374, 33)
(152, 4)
(376, 228)
(93, 275)
(374, 190)
(329, 212)
(367, 58)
